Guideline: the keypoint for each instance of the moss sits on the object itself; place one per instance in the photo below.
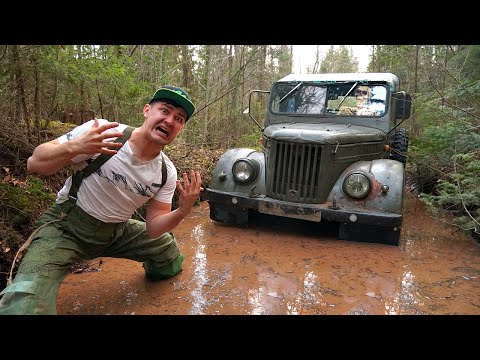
(22, 204)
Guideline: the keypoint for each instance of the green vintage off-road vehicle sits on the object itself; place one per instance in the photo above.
(332, 151)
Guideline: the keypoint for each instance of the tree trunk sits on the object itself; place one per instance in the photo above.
(263, 60)
(99, 99)
(414, 125)
(53, 106)
(82, 90)
(186, 68)
(21, 91)
(36, 99)
(208, 54)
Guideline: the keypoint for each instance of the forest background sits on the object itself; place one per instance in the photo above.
(47, 89)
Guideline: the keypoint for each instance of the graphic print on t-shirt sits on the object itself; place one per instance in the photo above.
(121, 180)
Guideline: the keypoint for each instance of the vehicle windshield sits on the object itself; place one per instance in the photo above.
(329, 99)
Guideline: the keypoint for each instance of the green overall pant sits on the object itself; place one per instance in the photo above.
(67, 234)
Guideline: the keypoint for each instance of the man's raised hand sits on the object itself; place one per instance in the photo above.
(190, 191)
(93, 141)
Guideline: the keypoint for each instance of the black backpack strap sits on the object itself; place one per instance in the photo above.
(78, 176)
(164, 172)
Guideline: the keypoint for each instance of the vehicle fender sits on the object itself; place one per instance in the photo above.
(222, 177)
(380, 172)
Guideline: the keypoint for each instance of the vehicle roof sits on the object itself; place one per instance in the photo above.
(343, 77)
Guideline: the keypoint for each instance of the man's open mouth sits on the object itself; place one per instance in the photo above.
(162, 130)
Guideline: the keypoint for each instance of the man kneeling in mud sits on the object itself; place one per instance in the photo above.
(93, 210)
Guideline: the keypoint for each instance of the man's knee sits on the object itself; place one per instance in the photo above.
(166, 262)
(155, 271)
(165, 249)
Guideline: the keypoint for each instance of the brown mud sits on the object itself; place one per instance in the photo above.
(286, 266)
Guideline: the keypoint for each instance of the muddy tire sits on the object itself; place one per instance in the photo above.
(369, 233)
(399, 145)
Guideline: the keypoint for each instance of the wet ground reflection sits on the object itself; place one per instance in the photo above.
(286, 266)
(200, 276)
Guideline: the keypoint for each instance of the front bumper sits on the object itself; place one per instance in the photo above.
(310, 212)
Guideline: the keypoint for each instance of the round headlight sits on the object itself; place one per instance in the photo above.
(245, 170)
(356, 185)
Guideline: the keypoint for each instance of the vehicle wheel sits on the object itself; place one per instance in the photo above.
(399, 145)
(369, 233)
(228, 215)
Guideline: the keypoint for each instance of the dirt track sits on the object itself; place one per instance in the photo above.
(286, 266)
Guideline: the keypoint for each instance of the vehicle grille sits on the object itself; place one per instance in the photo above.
(294, 172)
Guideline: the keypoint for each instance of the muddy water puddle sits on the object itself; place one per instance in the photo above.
(290, 267)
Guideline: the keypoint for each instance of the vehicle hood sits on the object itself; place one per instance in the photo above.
(325, 133)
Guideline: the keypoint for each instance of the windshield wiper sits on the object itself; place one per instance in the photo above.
(291, 91)
(348, 93)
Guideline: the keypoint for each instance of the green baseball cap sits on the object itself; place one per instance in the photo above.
(178, 95)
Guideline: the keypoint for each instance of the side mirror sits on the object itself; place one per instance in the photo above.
(255, 105)
(403, 105)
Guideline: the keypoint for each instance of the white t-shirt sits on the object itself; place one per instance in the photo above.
(120, 185)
